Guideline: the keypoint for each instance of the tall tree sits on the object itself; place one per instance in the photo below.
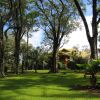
(29, 24)
(56, 23)
(23, 53)
(8, 53)
(5, 15)
(95, 22)
(18, 24)
(23, 20)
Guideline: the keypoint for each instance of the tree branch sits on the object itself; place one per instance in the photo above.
(43, 11)
(84, 19)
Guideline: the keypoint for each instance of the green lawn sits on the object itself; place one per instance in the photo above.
(45, 86)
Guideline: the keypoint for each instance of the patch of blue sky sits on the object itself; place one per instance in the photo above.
(36, 38)
(88, 8)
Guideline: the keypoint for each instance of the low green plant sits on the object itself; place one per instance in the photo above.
(81, 66)
(92, 68)
(72, 65)
(61, 65)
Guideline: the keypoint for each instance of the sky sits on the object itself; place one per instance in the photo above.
(77, 38)
(36, 38)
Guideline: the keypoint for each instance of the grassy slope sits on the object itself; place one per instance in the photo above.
(43, 86)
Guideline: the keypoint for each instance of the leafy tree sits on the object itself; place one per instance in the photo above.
(23, 53)
(21, 23)
(95, 22)
(17, 16)
(5, 15)
(18, 24)
(9, 54)
(36, 57)
(56, 23)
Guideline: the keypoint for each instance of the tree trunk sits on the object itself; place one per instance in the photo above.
(18, 30)
(94, 53)
(35, 67)
(1, 50)
(93, 48)
(17, 51)
(27, 61)
(93, 80)
(22, 66)
(92, 40)
(54, 67)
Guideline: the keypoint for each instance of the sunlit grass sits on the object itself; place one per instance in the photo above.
(44, 86)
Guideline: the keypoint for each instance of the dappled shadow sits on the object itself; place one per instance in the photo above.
(42, 80)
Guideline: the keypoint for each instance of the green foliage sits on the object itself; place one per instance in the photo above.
(93, 66)
(72, 65)
(80, 60)
(61, 65)
(38, 57)
(82, 67)
(9, 52)
(56, 19)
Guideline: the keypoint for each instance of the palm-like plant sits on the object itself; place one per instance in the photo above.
(93, 67)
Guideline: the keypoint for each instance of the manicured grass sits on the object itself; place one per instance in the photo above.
(45, 86)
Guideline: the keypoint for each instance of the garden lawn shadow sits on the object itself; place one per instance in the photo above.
(44, 86)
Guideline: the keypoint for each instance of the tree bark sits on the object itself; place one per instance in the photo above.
(2, 74)
(18, 31)
(94, 28)
(27, 61)
(93, 48)
(93, 80)
(17, 49)
(54, 67)
(22, 67)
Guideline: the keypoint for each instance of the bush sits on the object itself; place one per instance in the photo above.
(80, 60)
(61, 65)
(72, 65)
(81, 66)
(93, 67)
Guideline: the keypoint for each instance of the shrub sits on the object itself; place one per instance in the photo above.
(93, 67)
(72, 65)
(82, 66)
(80, 60)
(61, 65)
